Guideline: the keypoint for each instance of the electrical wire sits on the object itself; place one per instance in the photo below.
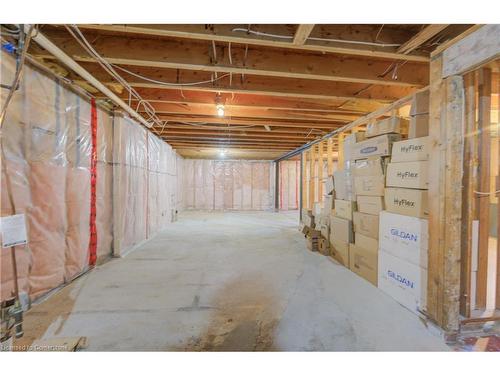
(169, 83)
(288, 37)
(148, 108)
(19, 71)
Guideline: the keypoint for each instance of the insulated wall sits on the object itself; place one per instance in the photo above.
(46, 151)
(46, 175)
(146, 184)
(289, 184)
(228, 185)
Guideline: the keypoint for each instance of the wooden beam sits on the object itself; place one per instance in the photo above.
(421, 37)
(329, 153)
(249, 84)
(312, 162)
(468, 197)
(250, 129)
(304, 182)
(301, 34)
(483, 200)
(274, 123)
(320, 170)
(225, 33)
(252, 100)
(196, 56)
(445, 197)
(249, 112)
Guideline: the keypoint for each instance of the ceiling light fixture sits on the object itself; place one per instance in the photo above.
(220, 110)
(222, 152)
(268, 128)
(219, 106)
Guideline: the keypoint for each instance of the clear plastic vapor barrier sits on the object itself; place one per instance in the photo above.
(46, 175)
(228, 185)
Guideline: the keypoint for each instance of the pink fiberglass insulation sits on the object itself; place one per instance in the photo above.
(47, 146)
(227, 184)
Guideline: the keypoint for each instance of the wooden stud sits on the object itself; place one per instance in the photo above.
(445, 197)
(311, 178)
(483, 200)
(304, 181)
(330, 155)
(321, 146)
(468, 197)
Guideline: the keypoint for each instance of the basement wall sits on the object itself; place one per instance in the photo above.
(228, 185)
(46, 153)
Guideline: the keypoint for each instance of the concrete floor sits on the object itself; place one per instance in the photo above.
(228, 281)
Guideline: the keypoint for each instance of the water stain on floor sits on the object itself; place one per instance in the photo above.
(245, 319)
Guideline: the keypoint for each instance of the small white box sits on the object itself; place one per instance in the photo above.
(405, 237)
(403, 281)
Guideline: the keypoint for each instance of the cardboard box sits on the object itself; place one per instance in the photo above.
(419, 126)
(403, 281)
(312, 240)
(415, 149)
(343, 185)
(377, 146)
(373, 166)
(405, 237)
(329, 185)
(305, 229)
(366, 224)
(370, 204)
(306, 212)
(340, 252)
(393, 124)
(349, 141)
(420, 103)
(317, 207)
(325, 230)
(324, 246)
(369, 185)
(411, 174)
(410, 202)
(340, 229)
(344, 209)
(308, 221)
(366, 242)
(364, 262)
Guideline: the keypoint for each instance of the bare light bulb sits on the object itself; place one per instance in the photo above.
(222, 152)
(220, 110)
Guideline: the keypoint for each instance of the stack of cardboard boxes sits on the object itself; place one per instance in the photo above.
(403, 225)
(311, 234)
(341, 228)
(371, 158)
(419, 115)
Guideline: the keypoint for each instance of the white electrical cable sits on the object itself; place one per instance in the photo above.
(288, 37)
(168, 83)
(148, 108)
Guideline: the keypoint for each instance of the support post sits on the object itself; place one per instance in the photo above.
(445, 197)
(483, 200)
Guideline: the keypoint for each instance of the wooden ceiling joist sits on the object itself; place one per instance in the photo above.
(419, 39)
(238, 111)
(302, 33)
(250, 129)
(201, 56)
(249, 121)
(236, 34)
